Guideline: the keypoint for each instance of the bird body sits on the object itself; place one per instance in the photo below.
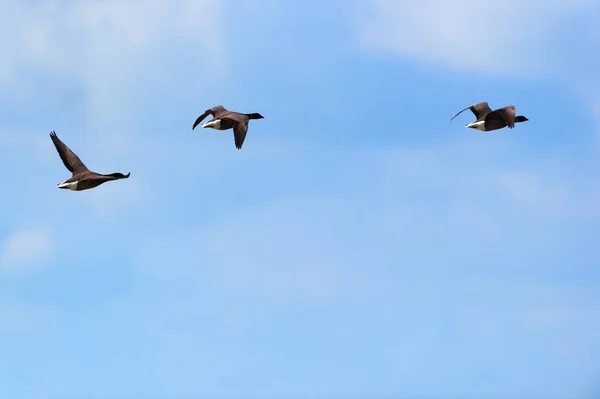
(488, 120)
(224, 119)
(82, 178)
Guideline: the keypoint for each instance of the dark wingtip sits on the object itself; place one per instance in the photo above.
(196, 123)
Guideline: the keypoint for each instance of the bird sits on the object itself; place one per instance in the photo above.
(492, 120)
(83, 178)
(224, 119)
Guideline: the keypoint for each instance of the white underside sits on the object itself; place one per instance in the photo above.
(70, 186)
(479, 125)
(216, 124)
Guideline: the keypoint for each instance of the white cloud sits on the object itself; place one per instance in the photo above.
(263, 252)
(550, 183)
(98, 58)
(109, 48)
(462, 199)
(540, 192)
(26, 247)
(484, 36)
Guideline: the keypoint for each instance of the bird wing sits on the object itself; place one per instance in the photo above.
(505, 114)
(509, 113)
(71, 161)
(201, 117)
(219, 109)
(240, 128)
(480, 110)
(214, 111)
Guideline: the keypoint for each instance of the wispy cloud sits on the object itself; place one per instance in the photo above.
(108, 49)
(26, 247)
(351, 247)
(514, 37)
(563, 196)
(396, 252)
(308, 247)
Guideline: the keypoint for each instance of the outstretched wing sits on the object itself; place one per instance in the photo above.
(509, 113)
(480, 110)
(505, 114)
(201, 117)
(239, 133)
(212, 111)
(71, 161)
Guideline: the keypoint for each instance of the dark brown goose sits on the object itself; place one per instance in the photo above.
(83, 178)
(492, 120)
(224, 119)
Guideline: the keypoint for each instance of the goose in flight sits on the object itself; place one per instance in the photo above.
(224, 119)
(83, 178)
(492, 120)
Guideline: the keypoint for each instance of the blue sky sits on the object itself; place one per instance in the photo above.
(359, 245)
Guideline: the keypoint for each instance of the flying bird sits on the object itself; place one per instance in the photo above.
(224, 119)
(83, 178)
(492, 120)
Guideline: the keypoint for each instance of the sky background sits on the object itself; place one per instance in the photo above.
(360, 245)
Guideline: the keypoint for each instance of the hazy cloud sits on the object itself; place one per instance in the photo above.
(26, 247)
(320, 247)
(108, 48)
(465, 35)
